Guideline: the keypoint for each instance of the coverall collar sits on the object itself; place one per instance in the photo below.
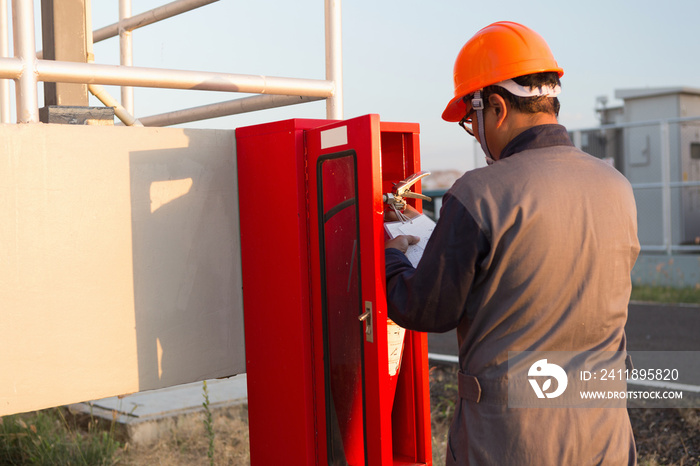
(537, 137)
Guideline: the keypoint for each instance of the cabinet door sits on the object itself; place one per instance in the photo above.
(363, 419)
(341, 178)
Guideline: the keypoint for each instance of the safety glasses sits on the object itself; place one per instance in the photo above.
(466, 122)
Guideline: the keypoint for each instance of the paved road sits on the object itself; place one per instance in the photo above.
(650, 327)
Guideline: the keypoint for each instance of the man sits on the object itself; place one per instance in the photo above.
(531, 253)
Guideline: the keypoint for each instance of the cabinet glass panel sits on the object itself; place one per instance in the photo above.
(342, 305)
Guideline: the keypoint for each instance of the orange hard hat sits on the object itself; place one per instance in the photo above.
(500, 51)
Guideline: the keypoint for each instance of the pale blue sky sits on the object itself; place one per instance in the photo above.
(398, 55)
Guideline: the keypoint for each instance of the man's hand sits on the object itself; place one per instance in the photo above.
(402, 242)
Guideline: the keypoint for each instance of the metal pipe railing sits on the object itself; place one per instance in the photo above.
(25, 51)
(123, 114)
(11, 68)
(4, 52)
(126, 53)
(669, 250)
(97, 90)
(334, 58)
(148, 17)
(91, 73)
(27, 69)
(671, 184)
(231, 107)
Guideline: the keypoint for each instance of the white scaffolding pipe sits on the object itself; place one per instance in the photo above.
(334, 58)
(25, 50)
(231, 107)
(95, 89)
(90, 73)
(27, 70)
(126, 53)
(149, 17)
(4, 52)
(109, 101)
(11, 68)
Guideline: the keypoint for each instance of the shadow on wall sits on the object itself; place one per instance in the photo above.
(186, 261)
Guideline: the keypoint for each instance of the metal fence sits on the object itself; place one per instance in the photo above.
(661, 159)
(27, 70)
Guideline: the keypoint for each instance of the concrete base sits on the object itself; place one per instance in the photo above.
(143, 418)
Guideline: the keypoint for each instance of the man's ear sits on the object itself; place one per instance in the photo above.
(498, 104)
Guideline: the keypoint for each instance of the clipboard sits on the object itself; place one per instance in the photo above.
(421, 226)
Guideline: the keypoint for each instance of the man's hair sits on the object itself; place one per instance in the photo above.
(540, 104)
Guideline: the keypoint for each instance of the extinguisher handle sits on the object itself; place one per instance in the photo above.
(413, 195)
(404, 186)
(402, 189)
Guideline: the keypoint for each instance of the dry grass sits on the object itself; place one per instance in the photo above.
(666, 294)
(443, 397)
(188, 442)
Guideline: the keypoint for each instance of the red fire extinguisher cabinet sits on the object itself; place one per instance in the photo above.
(330, 379)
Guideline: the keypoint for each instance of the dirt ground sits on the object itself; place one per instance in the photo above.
(664, 436)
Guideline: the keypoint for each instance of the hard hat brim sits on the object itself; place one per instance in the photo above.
(456, 110)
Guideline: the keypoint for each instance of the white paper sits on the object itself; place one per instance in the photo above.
(394, 336)
(421, 226)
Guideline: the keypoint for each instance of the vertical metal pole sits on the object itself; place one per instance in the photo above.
(666, 187)
(126, 54)
(334, 58)
(25, 50)
(4, 52)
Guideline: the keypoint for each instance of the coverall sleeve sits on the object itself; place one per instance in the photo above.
(432, 297)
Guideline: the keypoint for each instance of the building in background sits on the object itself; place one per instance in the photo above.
(654, 140)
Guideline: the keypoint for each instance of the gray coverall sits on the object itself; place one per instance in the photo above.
(533, 253)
